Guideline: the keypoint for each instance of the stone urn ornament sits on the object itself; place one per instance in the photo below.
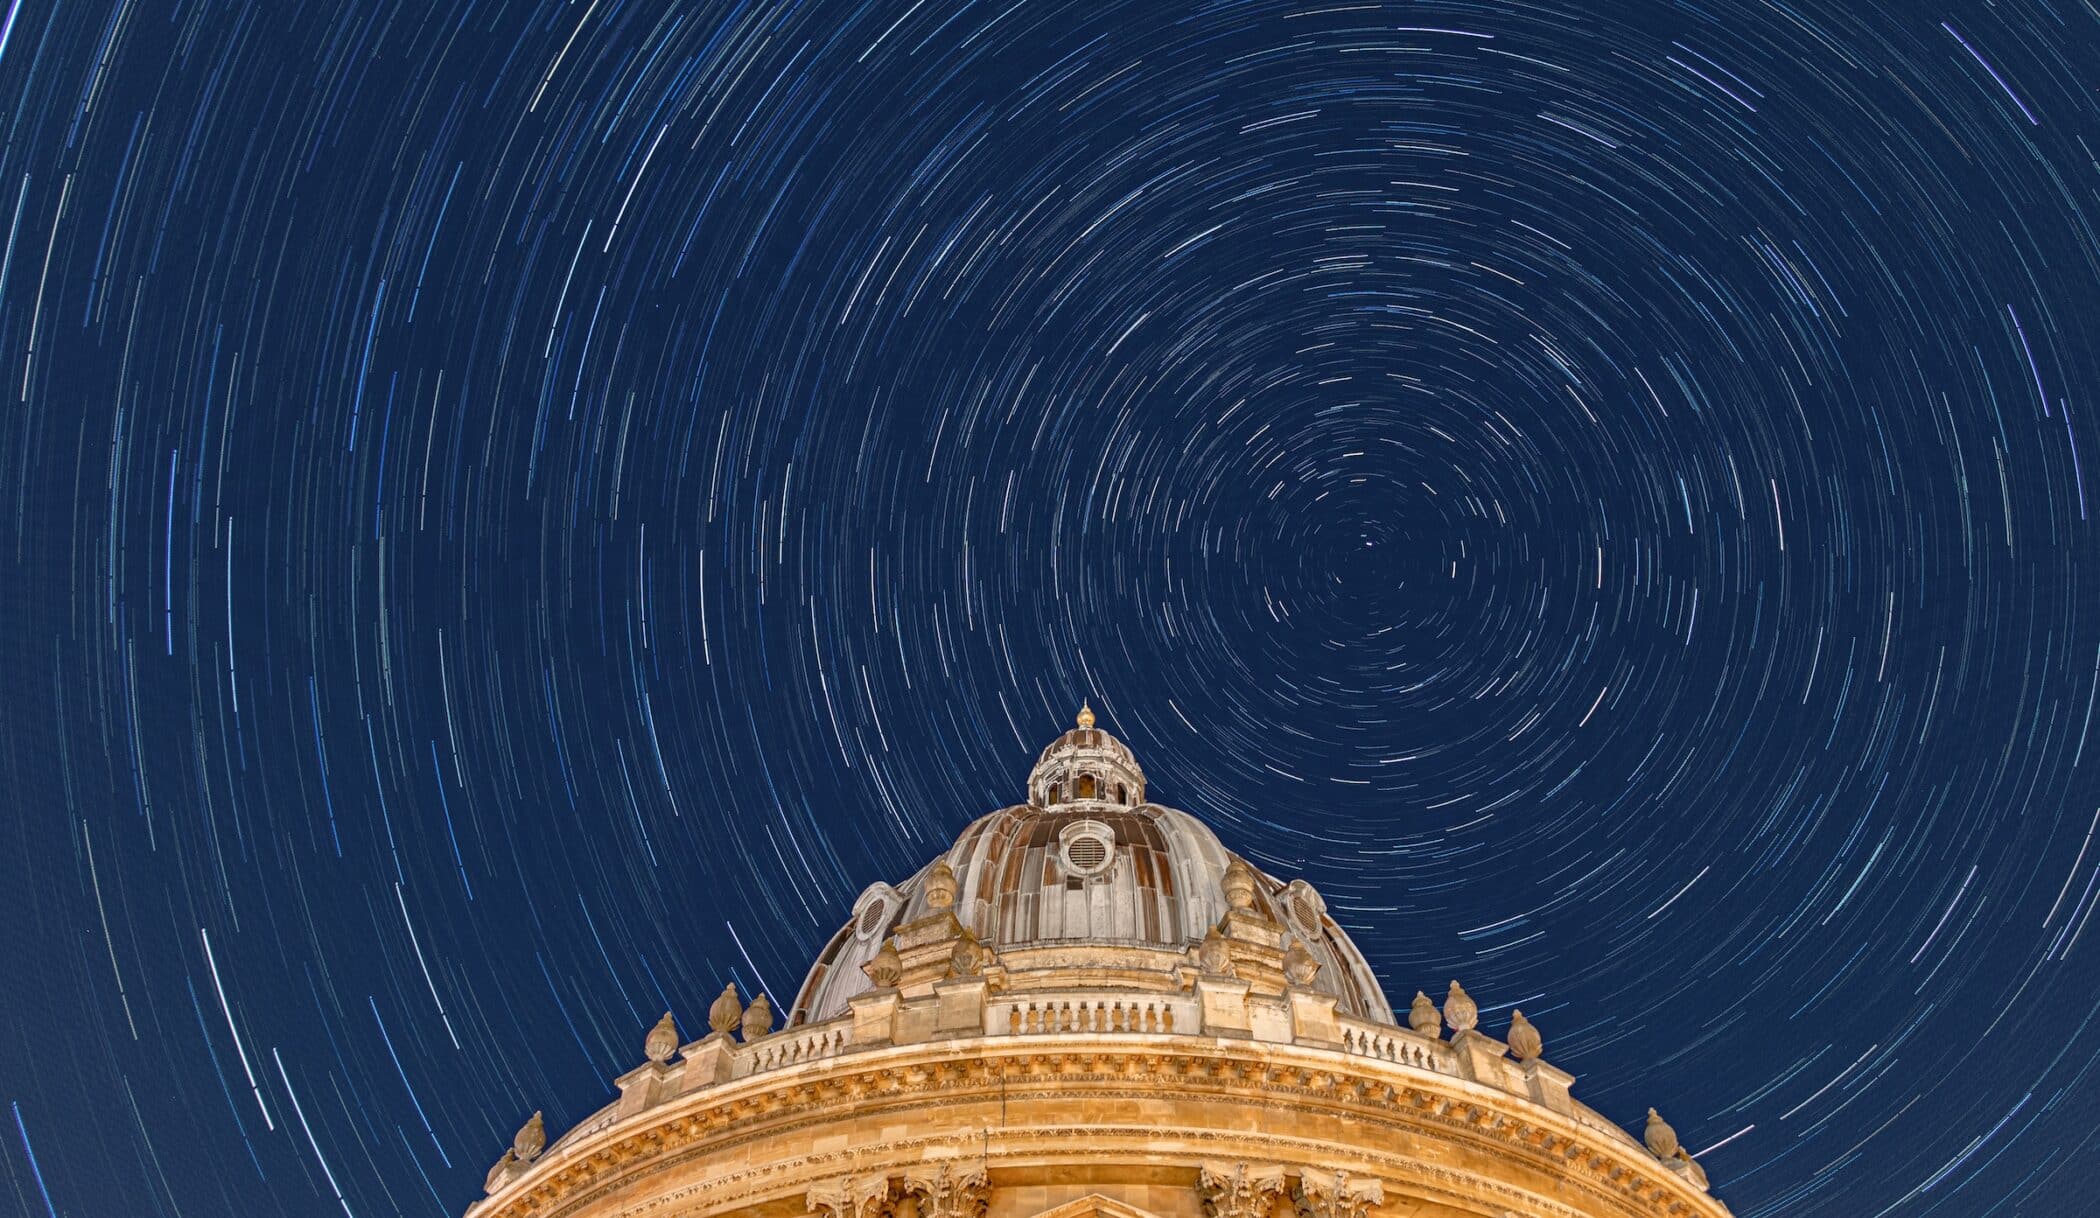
(1424, 1018)
(886, 968)
(758, 1019)
(969, 957)
(727, 1011)
(1661, 1139)
(940, 885)
(531, 1139)
(1299, 965)
(1239, 885)
(1524, 1040)
(662, 1040)
(1460, 1011)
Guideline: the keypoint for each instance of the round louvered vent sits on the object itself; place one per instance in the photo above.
(1302, 906)
(1086, 853)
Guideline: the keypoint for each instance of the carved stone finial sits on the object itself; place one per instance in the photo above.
(531, 1139)
(758, 1019)
(1212, 955)
(1086, 715)
(1239, 885)
(1661, 1139)
(1299, 966)
(1523, 1038)
(727, 1012)
(886, 968)
(662, 1040)
(1460, 1011)
(940, 885)
(1424, 1018)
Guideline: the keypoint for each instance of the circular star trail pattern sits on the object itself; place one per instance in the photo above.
(514, 513)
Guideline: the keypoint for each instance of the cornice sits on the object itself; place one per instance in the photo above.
(1612, 1175)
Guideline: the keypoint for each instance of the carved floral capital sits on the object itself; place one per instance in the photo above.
(1238, 1190)
(851, 1197)
(1337, 1194)
(945, 1192)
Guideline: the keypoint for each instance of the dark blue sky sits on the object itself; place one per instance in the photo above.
(512, 514)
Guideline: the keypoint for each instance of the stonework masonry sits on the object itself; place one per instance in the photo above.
(1088, 1007)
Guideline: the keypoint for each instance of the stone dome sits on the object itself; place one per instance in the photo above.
(1088, 882)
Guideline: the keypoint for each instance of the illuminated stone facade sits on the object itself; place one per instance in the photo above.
(1088, 1006)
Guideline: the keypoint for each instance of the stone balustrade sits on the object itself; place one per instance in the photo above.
(792, 1047)
(1036, 1014)
(1383, 1042)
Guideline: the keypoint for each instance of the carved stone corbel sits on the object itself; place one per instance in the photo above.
(1337, 1194)
(1237, 1190)
(944, 1192)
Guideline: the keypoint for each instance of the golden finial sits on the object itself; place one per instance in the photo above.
(1086, 715)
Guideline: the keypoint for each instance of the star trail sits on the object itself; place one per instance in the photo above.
(512, 514)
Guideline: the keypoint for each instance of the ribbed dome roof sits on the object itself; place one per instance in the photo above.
(1106, 869)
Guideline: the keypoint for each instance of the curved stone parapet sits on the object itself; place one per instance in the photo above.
(1134, 1117)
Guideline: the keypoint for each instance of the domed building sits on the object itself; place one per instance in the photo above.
(1088, 1006)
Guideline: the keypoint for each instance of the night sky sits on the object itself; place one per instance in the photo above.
(512, 514)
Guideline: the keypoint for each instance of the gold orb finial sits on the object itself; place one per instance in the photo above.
(1086, 715)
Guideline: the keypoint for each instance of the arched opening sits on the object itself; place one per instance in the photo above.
(1087, 786)
(1057, 793)
(1122, 794)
